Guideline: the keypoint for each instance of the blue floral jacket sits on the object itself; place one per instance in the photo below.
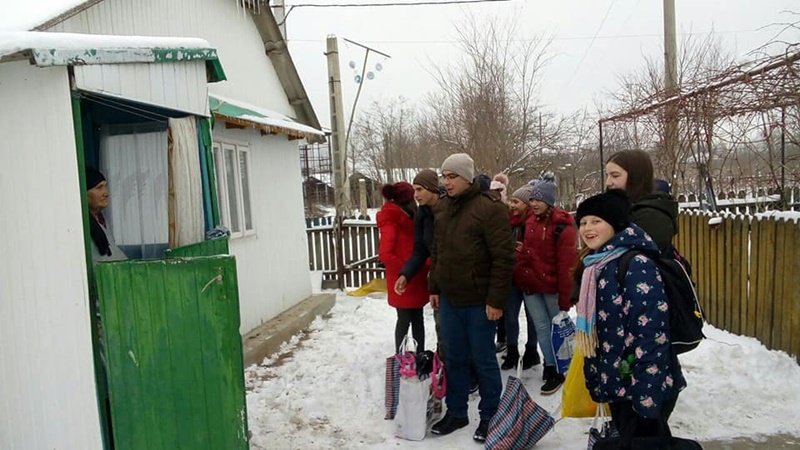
(633, 361)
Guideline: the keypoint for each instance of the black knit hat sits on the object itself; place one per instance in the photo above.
(612, 206)
(93, 177)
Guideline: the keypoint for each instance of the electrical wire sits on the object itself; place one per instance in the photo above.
(413, 3)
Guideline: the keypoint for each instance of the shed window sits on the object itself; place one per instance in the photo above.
(232, 162)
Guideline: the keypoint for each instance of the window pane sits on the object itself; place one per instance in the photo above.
(230, 178)
(248, 218)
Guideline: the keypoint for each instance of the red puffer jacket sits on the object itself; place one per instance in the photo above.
(544, 266)
(395, 247)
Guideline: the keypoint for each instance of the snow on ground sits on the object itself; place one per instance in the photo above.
(325, 389)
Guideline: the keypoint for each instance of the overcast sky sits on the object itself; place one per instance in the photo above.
(582, 67)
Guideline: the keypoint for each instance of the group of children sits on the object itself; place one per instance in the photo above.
(622, 322)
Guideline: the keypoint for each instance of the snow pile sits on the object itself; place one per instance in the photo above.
(326, 389)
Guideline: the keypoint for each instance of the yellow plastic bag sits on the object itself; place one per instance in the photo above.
(376, 285)
(576, 401)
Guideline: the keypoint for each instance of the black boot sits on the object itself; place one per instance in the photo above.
(449, 424)
(553, 380)
(531, 358)
(511, 359)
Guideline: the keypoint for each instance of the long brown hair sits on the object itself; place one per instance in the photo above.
(640, 172)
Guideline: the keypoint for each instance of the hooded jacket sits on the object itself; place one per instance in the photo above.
(633, 330)
(544, 265)
(394, 248)
(472, 253)
(657, 215)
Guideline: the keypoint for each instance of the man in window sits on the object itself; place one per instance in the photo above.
(472, 262)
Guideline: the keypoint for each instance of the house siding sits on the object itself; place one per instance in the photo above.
(48, 385)
(272, 264)
(251, 76)
(180, 86)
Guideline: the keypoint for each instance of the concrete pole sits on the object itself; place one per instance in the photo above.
(670, 82)
(362, 197)
(279, 10)
(338, 144)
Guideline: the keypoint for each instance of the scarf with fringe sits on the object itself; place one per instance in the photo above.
(586, 335)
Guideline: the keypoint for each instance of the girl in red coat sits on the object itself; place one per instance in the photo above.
(549, 252)
(396, 226)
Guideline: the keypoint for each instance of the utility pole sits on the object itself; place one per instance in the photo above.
(338, 141)
(279, 10)
(670, 81)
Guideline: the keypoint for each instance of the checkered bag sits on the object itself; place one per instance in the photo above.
(392, 387)
(519, 422)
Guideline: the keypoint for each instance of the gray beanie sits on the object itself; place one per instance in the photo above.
(545, 191)
(461, 164)
(524, 193)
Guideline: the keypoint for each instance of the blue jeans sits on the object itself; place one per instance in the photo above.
(511, 317)
(469, 335)
(543, 307)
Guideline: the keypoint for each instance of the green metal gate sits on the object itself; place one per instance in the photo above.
(174, 353)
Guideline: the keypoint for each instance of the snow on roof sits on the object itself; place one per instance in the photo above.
(236, 109)
(29, 14)
(19, 41)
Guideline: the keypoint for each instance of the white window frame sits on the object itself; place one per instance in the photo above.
(220, 167)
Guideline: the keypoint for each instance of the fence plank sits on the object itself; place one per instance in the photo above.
(722, 275)
(778, 274)
(790, 307)
(713, 273)
(794, 348)
(751, 312)
(733, 227)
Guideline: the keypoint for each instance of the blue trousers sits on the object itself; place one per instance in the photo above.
(511, 317)
(543, 307)
(469, 335)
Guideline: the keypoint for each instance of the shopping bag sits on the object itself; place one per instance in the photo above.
(403, 362)
(575, 398)
(519, 422)
(392, 387)
(411, 421)
(602, 429)
(563, 340)
(438, 378)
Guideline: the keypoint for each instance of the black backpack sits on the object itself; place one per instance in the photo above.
(685, 315)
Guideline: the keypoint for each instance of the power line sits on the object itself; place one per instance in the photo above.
(416, 3)
(562, 38)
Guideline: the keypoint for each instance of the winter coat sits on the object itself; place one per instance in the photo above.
(657, 215)
(116, 253)
(423, 239)
(473, 253)
(545, 264)
(633, 330)
(394, 248)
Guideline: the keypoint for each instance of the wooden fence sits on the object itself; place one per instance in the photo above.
(745, 270)
(360, 252)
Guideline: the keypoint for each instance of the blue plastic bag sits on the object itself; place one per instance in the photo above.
(563, 339)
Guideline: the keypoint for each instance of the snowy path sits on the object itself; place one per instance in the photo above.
(326, 389)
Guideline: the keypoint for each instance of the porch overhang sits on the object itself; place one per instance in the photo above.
(45, 49)
(243, 115)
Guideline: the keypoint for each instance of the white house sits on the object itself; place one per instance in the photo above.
(264, 211)
(109, 94)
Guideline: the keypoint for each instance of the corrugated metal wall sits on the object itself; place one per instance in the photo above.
(47, 386)
(273, 267)
(180, 86)
(251, 77)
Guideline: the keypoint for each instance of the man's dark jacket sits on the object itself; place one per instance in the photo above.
(473, 251)
(423, 239)
(657, 215)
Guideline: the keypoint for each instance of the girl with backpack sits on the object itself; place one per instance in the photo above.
(543, 270)
(623, 328)
(655, 211)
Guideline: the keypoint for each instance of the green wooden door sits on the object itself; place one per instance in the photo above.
(174, 353)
